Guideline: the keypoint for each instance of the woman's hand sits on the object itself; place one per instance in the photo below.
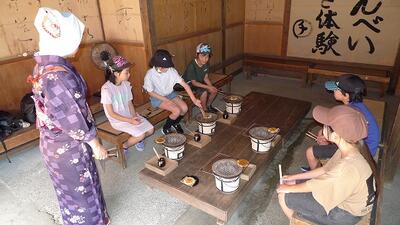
(99, 152)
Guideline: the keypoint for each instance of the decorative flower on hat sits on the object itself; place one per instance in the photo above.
(120, 61)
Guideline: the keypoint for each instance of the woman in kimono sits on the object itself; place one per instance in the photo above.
(67, 129)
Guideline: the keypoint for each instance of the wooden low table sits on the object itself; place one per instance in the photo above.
(229, 141)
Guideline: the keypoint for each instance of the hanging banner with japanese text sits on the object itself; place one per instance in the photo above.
(359, 31)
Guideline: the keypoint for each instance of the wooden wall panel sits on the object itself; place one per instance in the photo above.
(136, 54)
(14, 75)
(18, 35)
(176, 17)
(263, 39)
(234, 41)
(185, 50)
(234, 11)
(122, 20)
(392, 157)
(265, 10)
(13, 83)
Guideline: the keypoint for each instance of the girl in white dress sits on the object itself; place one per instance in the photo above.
(116, 97)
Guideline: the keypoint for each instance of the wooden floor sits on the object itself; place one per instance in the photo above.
(229, 141)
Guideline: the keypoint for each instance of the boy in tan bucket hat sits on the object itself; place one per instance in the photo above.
(343, 190)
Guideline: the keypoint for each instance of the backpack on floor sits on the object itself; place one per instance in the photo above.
(28, 108)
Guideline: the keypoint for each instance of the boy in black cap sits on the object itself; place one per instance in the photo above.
(348, 89)
(159, 83)
(196, 73)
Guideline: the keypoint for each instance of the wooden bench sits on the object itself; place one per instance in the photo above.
(19, 138)
(26, 135)
(382, 80)
(298, 220)
(94, 104)
(252, 65)
(220, 80)
(106, 133)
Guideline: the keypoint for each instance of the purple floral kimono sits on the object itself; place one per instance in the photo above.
(66, 123)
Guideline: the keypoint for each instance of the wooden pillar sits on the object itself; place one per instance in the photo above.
(223, 29)
(286, 24)
(394, 86)
(392, 144)
(149, 32)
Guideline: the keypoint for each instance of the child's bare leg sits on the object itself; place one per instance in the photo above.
(172, 107)
(203, 99)
(288, 212)
(150, 132)
(211, 97)
(181, 105)
(133, 140)
(312, 161)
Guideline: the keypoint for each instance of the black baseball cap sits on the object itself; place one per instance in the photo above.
(162, 58)
(348, 82)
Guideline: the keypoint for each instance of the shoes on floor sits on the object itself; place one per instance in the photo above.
(178, 128)
(139, 146)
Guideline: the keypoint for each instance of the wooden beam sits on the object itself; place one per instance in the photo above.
(394, 84)
(148, 26)
(263, 23)
(392, 142)
(318, 61)
(101, 20)
(236, 72)
(226, 62)
(227, 26)
(186, 36)
(128, 42)
(15, 59)
(286, 28)
(223, 23)
(366, 76)
(30, 56)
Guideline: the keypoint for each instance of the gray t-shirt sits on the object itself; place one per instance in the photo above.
(161, 83)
